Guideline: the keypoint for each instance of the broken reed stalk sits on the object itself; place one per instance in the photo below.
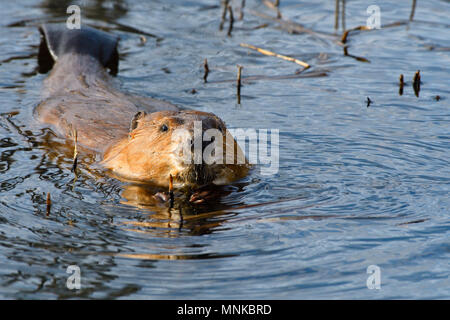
(206, 67)
(413, 9)
(271, 5)
(230, 27)
(362, 59)
(416, 78)
(241, 11)
(261, 26)
(273, 54)
(416, 83)
(49, 203)
(277, 6)
(239, 84)
(274, 6)
(402, 84)
(346, 32)
(75, 151)
(343, 15)
(278, 13)
(344, 36)
(224, 14)
(336, 15)
(171, 190)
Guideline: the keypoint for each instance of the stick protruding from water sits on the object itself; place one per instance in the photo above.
(224, 13)
(273, 54)
(48, 203)
(416, 83)
(171, 199)
(241, 11)
(206, 68)
(239, 83)
(230, 27)
(401, 85)
(75, 150)
(413, 10)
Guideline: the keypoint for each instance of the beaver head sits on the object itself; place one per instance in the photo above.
(194, 147)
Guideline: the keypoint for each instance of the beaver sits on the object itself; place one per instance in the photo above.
(134, 135)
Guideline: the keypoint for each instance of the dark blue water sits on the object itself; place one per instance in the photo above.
(356, 185)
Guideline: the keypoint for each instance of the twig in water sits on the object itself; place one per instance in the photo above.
(261, 26)
(336, 15)
(75, 150)
(230, 27)
(411, 222)
(205, 75)
(241, 11)
(362, 59)
(273, 54)
(171, 191)
(413, 9)
(49, 203)
(402, 84)
(74, 181)
(271, 5)
(224, 14)
(416, 83)
(346, 32)
(368, 101)
(274, 6)
(239, 84)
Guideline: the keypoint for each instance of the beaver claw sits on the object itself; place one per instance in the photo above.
(201, 196)
(197, 197)
(162, 196)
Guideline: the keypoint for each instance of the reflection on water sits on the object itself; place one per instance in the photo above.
(357, 186)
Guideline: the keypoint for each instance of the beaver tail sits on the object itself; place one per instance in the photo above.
(57, 40)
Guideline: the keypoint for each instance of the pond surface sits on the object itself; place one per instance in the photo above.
(357, 185)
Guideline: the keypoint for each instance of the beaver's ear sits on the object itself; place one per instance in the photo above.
(134, 121)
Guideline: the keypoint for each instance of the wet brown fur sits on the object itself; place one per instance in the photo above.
(79, 94)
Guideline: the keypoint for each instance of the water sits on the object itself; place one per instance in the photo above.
(356, 186)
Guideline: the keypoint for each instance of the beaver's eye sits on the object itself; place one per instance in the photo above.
(164, 128)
